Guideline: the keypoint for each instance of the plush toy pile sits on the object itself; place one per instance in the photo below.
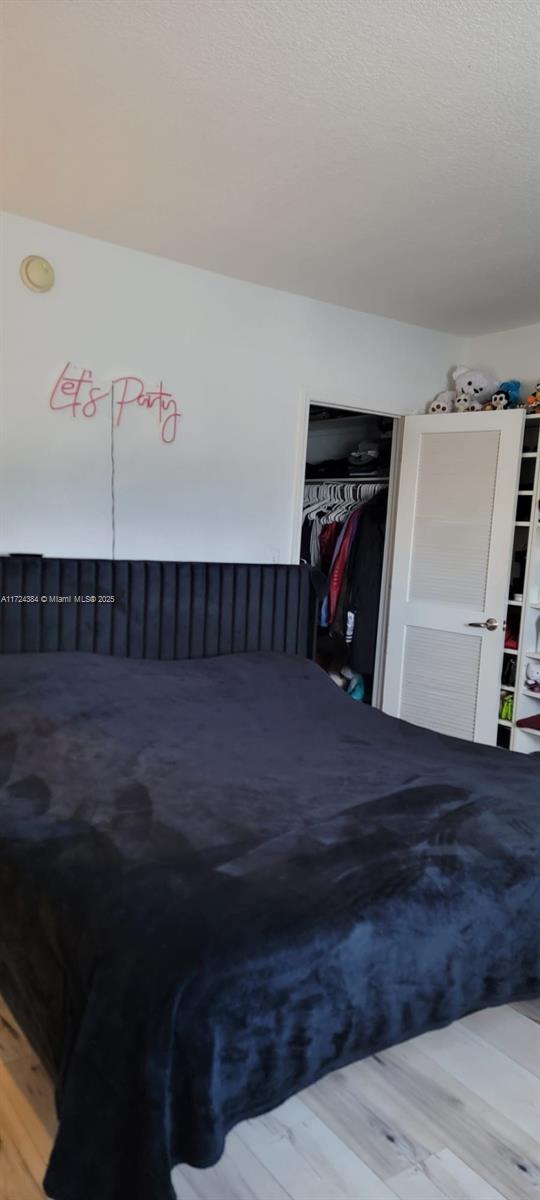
(476, 391)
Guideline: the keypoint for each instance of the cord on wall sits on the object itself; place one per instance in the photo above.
(113, 469)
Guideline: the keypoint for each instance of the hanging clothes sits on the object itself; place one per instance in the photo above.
(340, 564)
(340, 542)
(365, 574)
(327, 506)
(328, 539)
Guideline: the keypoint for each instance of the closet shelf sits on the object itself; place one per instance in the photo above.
(529, 454)
(516, 603)
(351, 479)
(508, 651)
(533, 732)
(530, 695)
(506, 724)
(526, 493)
(506, 687)
(533, 654)
(523, 524)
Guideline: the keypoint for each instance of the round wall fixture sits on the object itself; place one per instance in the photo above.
(37, 273)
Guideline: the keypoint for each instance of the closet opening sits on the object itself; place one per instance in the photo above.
(347, 520)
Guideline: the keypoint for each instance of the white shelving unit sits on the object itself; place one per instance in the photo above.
(523, 617)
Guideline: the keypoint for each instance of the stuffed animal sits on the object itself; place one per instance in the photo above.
(533, 401)
(443, 403)
(532, 677)
(511, 389)
(474, 404)
(498, 400)
(461, 403)
(477, 385)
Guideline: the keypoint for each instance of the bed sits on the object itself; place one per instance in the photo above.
(221, 878)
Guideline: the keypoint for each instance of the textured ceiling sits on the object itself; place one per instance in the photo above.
(382, 154)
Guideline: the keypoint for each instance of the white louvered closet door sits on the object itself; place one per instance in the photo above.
(451, 567)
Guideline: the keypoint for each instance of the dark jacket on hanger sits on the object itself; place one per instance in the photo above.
(365, 582)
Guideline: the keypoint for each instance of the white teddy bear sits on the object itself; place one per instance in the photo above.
(477, 386)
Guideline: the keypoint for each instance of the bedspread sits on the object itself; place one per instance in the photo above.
(220, 879)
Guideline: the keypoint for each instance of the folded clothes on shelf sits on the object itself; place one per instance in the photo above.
(530, 723)
(506, 707)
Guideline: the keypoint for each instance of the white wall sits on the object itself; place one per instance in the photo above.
(237, 357)
(510, 354)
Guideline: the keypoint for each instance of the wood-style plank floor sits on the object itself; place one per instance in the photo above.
(452, 1115)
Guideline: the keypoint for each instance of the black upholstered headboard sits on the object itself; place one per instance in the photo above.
(153, 609)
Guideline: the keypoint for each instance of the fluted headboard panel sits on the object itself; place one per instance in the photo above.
(159, 609)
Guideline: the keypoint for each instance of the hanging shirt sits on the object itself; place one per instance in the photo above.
(365, 582)
(339, 566)
(314, 543)
(325, 607)
(328, 539)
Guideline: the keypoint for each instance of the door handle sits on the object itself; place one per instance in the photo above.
(490, 624)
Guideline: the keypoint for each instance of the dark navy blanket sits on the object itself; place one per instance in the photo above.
(221, 879)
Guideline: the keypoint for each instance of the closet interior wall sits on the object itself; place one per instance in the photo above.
(349, 462)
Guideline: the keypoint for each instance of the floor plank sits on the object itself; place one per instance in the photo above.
(307, 1158)
(33, 1085)
(463, 1055)
(23, 1117)
(16, 1137)
(443, 1175)
(413, 1184)
(510, 1032)
(529, 1008)
(239, 1174)
(16, 1182)
(388, 1143)
(12, 1041)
